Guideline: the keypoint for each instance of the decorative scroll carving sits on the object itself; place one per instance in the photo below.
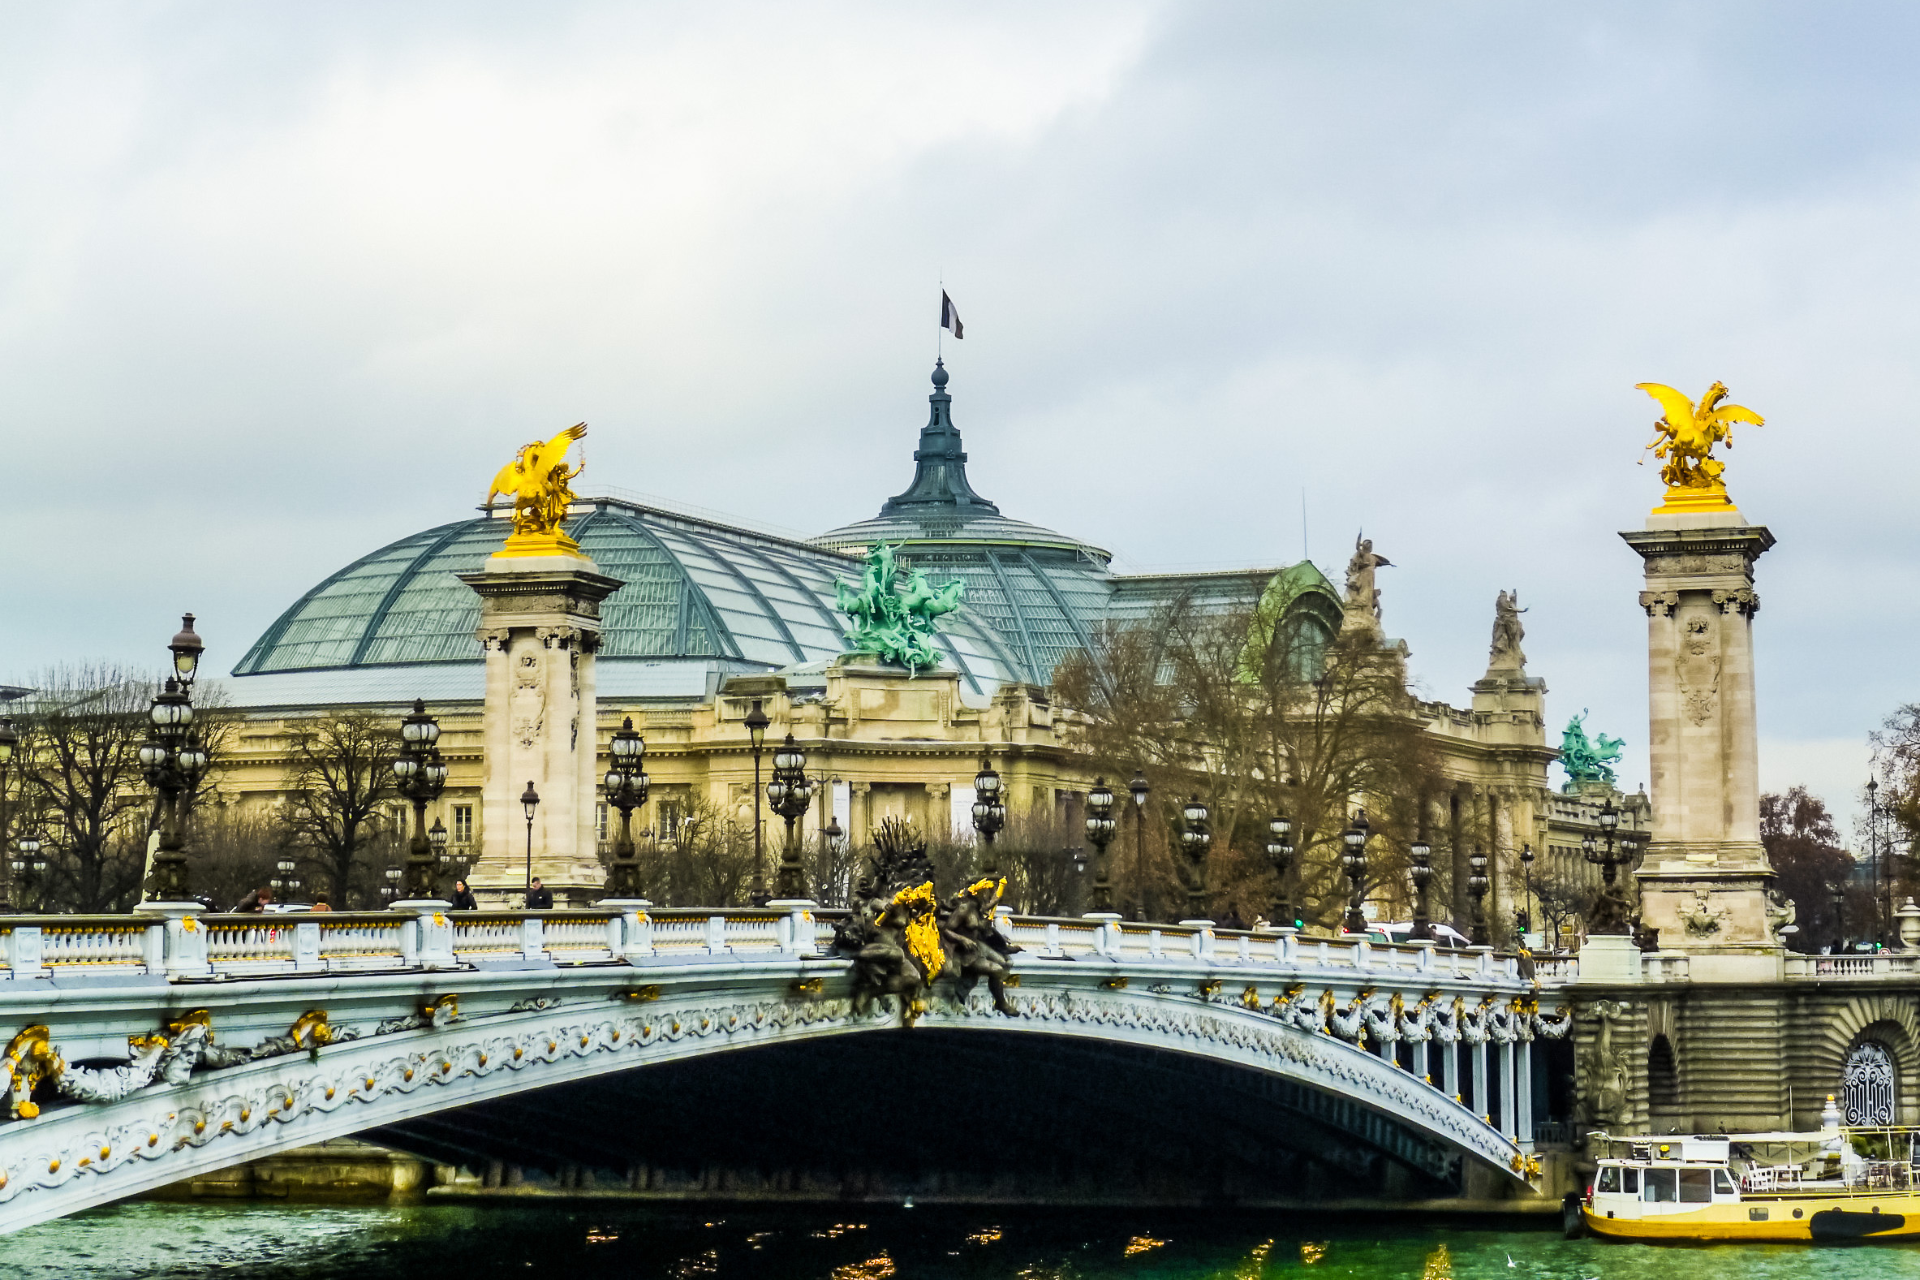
(1744, 601)
(1604, 1076)
(1660, 603)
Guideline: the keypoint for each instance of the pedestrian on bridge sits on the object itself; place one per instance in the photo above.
(463, 897)
(539, 897)
(254, 902)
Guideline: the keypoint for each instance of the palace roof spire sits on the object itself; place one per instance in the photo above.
(939, 464)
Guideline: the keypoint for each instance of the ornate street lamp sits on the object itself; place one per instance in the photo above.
(1100, 829)
(831, 843)
(529, 801)
(391, 888)
(28, 864)
(1611, 913)
(1477, 885)
(286, 880)
(626, 786)
(421, 775)
(989, 812)
(437, 838)
(1526, 871)
(757, 723)
(1280, 854)
(1353, 860)
(174, 758)
(1838, 892)
(790, 794)
(1195, 839)
(1873, 853)
(1139, 790)
(1421, 855)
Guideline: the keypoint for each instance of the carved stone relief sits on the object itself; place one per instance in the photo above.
(1699, 667)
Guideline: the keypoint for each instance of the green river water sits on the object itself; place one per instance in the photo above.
(424, 1242)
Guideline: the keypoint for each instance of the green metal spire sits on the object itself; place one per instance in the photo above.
(939, 464)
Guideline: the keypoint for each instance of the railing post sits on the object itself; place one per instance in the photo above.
(1106, 932)
(1289, 946)
(306, 946)
(1523, 1091)
(1362, 954)
(23, 952)
(636, 929)
(1053, 939)
(796, 927)
(716, 935)
(186, 948)
(1424, 964)
(533, 938)
(1153, 944)
(156, 946)
(433, 940)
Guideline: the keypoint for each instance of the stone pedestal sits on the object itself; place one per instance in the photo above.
(1704, 878)
(540, 627)
(1609, 957)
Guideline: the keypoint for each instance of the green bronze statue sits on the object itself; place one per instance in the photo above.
(1587, 761)
(895, 624)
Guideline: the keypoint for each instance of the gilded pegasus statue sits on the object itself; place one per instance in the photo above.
(1685, 435)
(537, 478)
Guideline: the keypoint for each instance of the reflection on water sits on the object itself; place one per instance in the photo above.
(643, 1242)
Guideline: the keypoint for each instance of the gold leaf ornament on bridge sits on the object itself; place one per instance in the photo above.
(538, 481)
(1684, 438)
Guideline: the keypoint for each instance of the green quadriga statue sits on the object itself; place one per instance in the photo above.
(897, 625)
(1587, 761)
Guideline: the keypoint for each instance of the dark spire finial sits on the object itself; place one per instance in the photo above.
(939, 374)
(939, 464)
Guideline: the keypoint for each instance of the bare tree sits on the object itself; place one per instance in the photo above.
(84, 788)
(1257, 710)
(340, 789)
(1804, 850)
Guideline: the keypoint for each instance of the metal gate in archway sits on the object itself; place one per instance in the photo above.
(1866, 1086)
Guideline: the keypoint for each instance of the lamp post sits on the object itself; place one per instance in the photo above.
(286, 881)
(421, 775)
(1873, 852)
(790, 794)
(1611, 913)
(830, 846)
(1477, 885)
(1139, 790)
(626, 786)
(1100, 829)
(1280, 854)
(9, 742)
(1526, 871)
(1353, 861)
(989, 812)
(437, 838)
(1196, 837)
(174, 758)
(391, 888)
(757, 723)
(27, 864)
(529, 801)
(1837, 890)
(1421, 855)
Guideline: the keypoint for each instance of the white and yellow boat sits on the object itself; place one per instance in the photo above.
(1837, 1185)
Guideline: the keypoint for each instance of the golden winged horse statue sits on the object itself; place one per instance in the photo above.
(537, 478)
(1684, 439)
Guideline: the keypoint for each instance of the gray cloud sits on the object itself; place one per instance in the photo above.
(278, 285)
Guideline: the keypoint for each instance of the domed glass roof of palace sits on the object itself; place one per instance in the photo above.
(703, 599)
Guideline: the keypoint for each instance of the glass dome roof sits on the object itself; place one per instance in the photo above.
(693, 589)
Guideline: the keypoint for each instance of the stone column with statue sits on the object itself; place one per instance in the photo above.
(1705, 876)
(540, 627)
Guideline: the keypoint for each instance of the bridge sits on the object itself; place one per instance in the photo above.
(148, 1049)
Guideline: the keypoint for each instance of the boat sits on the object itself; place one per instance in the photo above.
(1843, 1183)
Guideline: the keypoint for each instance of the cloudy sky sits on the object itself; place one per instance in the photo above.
(279, 284)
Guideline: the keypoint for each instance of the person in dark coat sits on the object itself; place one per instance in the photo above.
(539, 898)
(463, 897)
(255, 901)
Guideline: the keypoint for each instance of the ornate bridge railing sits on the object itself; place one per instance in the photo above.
(190, 948)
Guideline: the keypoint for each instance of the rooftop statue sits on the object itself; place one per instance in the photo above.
(1586, 761)
(1363, 597)
(537, 478)
(1685, 436)
(896, 624)
(1507, 632)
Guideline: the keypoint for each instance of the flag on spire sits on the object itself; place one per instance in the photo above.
(950, 318)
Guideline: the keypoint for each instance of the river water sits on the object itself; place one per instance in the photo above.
(424, 1242)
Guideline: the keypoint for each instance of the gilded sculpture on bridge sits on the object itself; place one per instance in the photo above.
(976, 948)
(1684, 439)
(896, 624)
(538, 479)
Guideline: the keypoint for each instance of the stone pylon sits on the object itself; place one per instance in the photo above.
(1704, 879)
(540, 627)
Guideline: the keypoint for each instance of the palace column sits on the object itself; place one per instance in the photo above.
(540, 627)
(1703, 881)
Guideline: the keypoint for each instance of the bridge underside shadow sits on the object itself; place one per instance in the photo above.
(938, 1113)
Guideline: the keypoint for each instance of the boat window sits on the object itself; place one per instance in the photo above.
(1661, 1186)
(1723, 1183)
(1632, 1181)
(1609, 1180)
(1696, 1186)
